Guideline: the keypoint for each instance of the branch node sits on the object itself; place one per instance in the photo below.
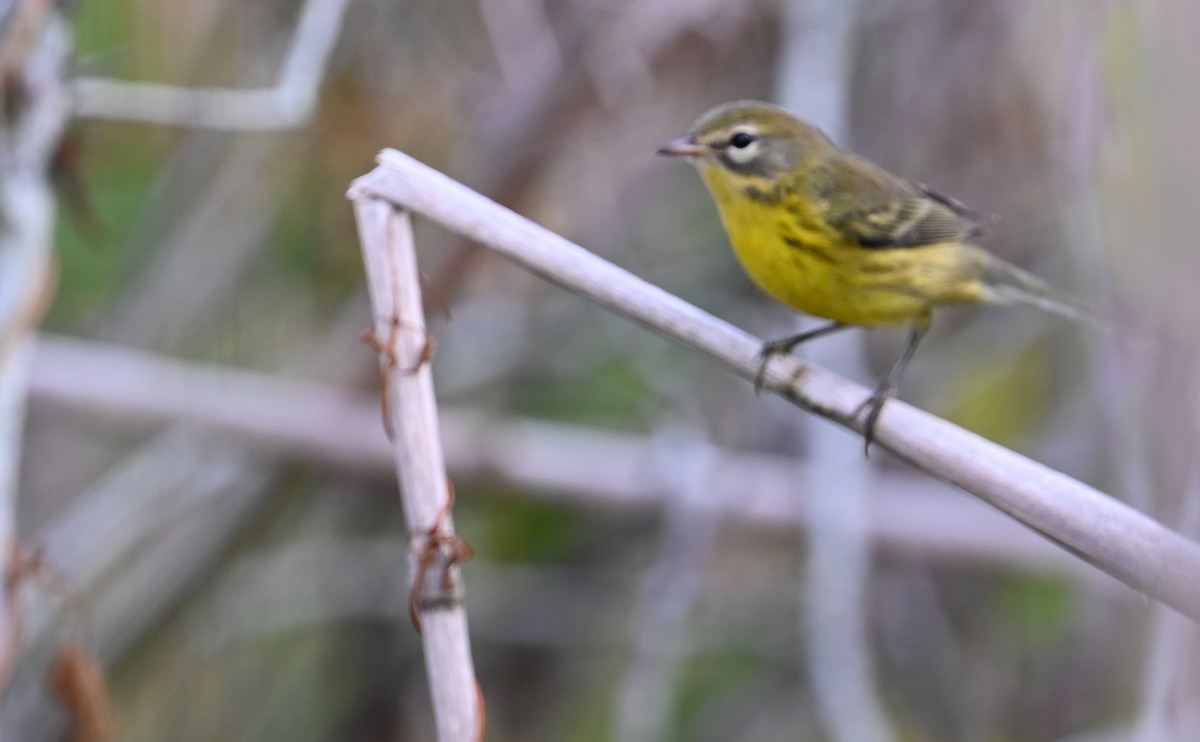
(437, 547)
(390, 361)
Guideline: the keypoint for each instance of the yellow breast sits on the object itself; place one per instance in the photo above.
(796, 258)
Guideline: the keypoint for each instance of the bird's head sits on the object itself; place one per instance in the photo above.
(750, 141)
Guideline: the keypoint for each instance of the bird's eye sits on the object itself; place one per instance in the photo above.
(741, 140)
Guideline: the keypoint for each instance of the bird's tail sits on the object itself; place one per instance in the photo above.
(1007, 284)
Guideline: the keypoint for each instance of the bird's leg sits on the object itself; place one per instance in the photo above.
(785, 345)
(885, 391)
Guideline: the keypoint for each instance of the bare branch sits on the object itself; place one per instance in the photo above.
(289, 104)
(26, 235)
(814, 72)
(133, 541)
(1111, 535)
(317, 421)
(670, 588)
(411, 412)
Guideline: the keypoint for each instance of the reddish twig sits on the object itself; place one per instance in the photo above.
(436, 544)
(481, 710)
(387, 349)
(77, 678)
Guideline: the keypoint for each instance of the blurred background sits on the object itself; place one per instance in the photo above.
(660, 554)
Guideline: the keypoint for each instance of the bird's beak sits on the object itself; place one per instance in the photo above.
(683, 147)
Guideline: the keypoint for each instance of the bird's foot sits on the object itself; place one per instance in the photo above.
(769, 349)
(873, 406)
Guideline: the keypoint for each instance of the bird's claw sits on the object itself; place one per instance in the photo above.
(873, 406)
(769, 349)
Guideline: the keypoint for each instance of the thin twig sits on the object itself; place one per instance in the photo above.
(27, 146)
(206, 248)
(129, 544)
(134, 539)
(288, 104)
(325, 423)
(1127, 544)
(395, 289)
(814, 72)
(670, 588)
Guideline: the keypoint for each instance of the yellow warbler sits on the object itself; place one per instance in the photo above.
(830, 234)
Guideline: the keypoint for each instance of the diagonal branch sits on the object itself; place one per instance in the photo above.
(1118, 539)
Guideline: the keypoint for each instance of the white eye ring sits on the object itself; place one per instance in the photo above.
(743, 146)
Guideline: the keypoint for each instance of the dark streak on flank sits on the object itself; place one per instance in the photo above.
(796, 244)
(763, 197)
(877, 268)
(876, 242)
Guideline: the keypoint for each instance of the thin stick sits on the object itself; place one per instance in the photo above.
(337, 427)
(411, 413)
(288, 104)
(1127, 544)
(28, 141)
(815, 67)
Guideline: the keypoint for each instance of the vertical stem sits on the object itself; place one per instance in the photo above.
(399, 327)
(27, 145)
(814, 77)
(669, 590)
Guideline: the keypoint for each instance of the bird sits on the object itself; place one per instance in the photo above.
(833, 235)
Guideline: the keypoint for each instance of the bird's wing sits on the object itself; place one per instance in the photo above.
(890, 212)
